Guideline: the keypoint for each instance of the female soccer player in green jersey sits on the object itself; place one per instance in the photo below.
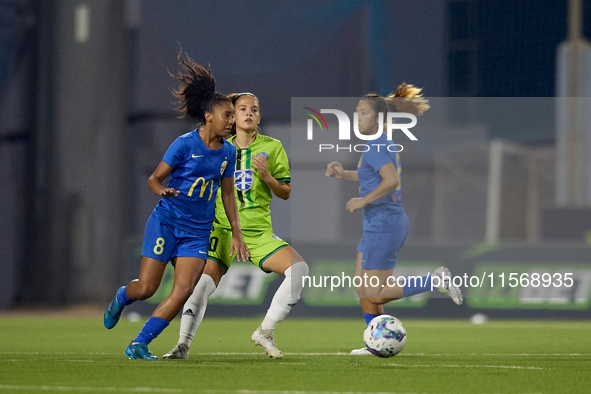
(262, 169)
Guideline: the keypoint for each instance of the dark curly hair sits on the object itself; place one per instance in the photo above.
(196, 94)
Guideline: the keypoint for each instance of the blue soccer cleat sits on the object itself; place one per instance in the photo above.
(139, 350)
(113, 312)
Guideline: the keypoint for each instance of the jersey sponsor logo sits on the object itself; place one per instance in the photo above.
(195, 156)
(203, 187)
(243, 179)
(223, 167)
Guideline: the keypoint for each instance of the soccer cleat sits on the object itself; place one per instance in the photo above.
(180, 352)
(361, 352)
(139, 350)
(113, 312)
(266, 339)
(446, 286)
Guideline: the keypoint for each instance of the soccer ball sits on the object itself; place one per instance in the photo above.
(384, 336)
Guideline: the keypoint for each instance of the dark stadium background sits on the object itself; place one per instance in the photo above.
(86, 114)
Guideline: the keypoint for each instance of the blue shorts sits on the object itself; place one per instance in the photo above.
(379, 250)
(163, 242)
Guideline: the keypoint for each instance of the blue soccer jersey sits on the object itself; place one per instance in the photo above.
(387, 213)
(197, 173)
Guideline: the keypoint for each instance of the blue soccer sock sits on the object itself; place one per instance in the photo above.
(369, 316)
(151, 329)
(122, 298)
(417, 286)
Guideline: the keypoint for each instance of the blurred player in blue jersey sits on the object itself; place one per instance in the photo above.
(385, 224)
(178, 230)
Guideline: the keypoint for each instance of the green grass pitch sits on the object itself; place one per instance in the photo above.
(51, 354)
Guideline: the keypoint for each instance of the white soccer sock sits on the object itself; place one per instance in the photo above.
(194, 309)
(286, 295)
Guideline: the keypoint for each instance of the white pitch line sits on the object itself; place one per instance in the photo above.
(534, 354)
(306, 392)
(53, 353)
(467, 366)
(110, 389)
(298, 392)
(317, 354)
(158, 390)
(78, 361)
(400, 355)
(321, 354)
(488, 354)
(229, 354)
(161, 390)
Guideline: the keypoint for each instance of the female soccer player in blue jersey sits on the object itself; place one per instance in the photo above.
(262, 169)
(385, 224)
(178, 230)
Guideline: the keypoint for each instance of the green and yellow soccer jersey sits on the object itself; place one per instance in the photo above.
(253, 195)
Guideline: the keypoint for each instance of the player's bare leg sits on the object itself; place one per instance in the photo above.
(144, 287)
(186, 274)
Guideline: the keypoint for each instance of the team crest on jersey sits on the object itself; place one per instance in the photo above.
(223, 167)
(243, 179)
(265, 155)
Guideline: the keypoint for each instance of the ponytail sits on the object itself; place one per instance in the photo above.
(407, 98)
(196, 95)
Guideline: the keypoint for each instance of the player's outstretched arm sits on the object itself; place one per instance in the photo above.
(237, 244)
(335, 170)
(155, 181)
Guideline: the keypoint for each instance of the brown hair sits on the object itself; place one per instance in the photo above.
(407, 98)
(196, 94)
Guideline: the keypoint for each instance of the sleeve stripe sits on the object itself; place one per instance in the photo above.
(283, 179)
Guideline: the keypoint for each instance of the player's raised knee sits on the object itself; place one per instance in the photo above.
(299, 269)
(297, 273)
(146, 290)
(380, 301)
